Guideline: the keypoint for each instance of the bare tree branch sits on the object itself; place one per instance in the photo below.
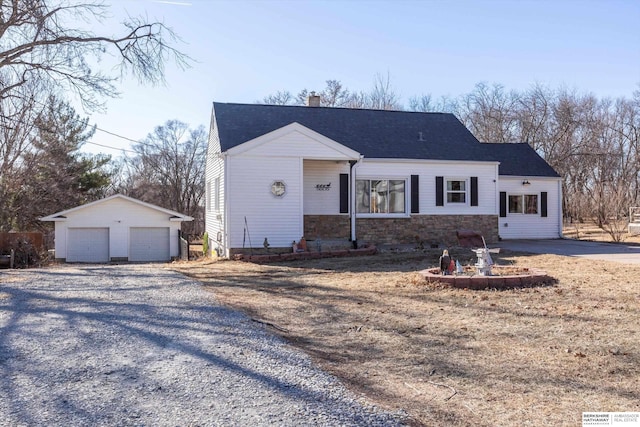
(168, 170)
(37, 44)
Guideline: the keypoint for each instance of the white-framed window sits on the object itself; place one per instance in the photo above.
(526, 204)
(208, 196)
(456, 191)
(381, 196)
(217, 195)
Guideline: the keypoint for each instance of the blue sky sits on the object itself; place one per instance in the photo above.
(245, 50)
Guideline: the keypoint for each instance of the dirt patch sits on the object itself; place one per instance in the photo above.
(531, 356)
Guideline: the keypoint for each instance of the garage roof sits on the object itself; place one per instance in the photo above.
(173, 215)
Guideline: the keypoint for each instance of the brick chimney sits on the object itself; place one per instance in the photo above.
(313, 100)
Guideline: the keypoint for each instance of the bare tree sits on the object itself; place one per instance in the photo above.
(489, 112)
(168, 170)
(533, 113)
(17, 125)
(40, 42)
(619, 141)
(45, 52)
(283, 97)
(426, 104)
(383, 96)
(334, 94)
(358, 100)
(422, 104)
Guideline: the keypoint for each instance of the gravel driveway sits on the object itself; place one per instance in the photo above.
(141, 345)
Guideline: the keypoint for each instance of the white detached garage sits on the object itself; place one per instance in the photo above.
(118, 228)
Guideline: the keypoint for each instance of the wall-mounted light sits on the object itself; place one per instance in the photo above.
(526, 182)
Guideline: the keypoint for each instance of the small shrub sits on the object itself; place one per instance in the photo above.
(205, 244)
(26, 254)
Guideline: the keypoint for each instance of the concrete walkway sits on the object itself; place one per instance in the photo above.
(617, 252)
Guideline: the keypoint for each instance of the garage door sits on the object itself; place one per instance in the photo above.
(88, 245)
(149, 244)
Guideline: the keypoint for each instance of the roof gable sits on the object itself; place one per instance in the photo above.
(61, 216)
(298, 139)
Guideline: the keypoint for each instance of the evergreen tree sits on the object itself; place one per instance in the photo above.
(57, 175)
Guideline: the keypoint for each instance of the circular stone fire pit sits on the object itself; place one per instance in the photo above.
(503, 277)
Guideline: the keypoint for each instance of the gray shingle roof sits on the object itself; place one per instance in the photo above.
(372, 133)
(519, 159)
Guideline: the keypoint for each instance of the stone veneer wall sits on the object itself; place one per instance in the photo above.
(327, 227)
(428, 229)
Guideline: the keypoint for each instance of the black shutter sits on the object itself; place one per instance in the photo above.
(439, 191)
(543, 204)
(344, 193)
(415, 208)
(503, 204)
(474, 191)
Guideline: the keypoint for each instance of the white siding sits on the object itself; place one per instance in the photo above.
(118, 215)
(523, 226)
(428, 171)
(215, 218)
(325, 201)
(297, 141)
(246, 173)
(279, 219)
(297, 144)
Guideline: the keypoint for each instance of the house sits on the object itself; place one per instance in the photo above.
(117, 228)
(530, 193)
(282, 172)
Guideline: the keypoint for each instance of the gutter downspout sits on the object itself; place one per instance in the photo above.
(352, 186)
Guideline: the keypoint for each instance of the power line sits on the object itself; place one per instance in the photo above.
(78, 119)
(120, 136)
(124, 150)
(108, 146)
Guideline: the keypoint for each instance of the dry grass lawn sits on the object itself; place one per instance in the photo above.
(534, 356)
(588, 230)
